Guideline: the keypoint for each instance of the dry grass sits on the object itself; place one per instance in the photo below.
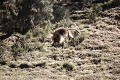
(95, 58)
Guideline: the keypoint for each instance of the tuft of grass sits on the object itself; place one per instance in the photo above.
(5, 53)
(34, 46)
(55, 57)
(95, 61)
(29, 35)
(68, 66)
(107, 49)
(79, 40)
(3, 62)
(79, 47)
(12, 65)
(42, 31)
(42, 64)
(76, 41)
(18, 48)
(24, 65)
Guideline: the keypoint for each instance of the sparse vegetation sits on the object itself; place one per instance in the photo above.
(24, 65)
(76, 41)
(26, 29)
(12, 65)
(93, 12)
(68, 66)
(79, 47)
(42, 64)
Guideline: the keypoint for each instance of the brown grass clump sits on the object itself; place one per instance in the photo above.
(68, 66)
(42, 64)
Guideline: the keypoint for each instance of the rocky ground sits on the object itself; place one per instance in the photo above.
(96, 58)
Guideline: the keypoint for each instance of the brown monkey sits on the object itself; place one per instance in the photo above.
(60, 35)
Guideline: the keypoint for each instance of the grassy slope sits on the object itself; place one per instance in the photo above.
(96, 58)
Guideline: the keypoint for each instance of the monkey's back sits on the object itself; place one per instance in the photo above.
(62, 31)
(58, 34)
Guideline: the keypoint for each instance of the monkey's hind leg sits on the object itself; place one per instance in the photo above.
(62, 45)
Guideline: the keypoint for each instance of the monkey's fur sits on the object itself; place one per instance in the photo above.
(60, 35)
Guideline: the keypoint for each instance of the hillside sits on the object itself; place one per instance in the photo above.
(96, 57)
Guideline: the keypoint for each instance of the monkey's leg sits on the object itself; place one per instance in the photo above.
(62, 45)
